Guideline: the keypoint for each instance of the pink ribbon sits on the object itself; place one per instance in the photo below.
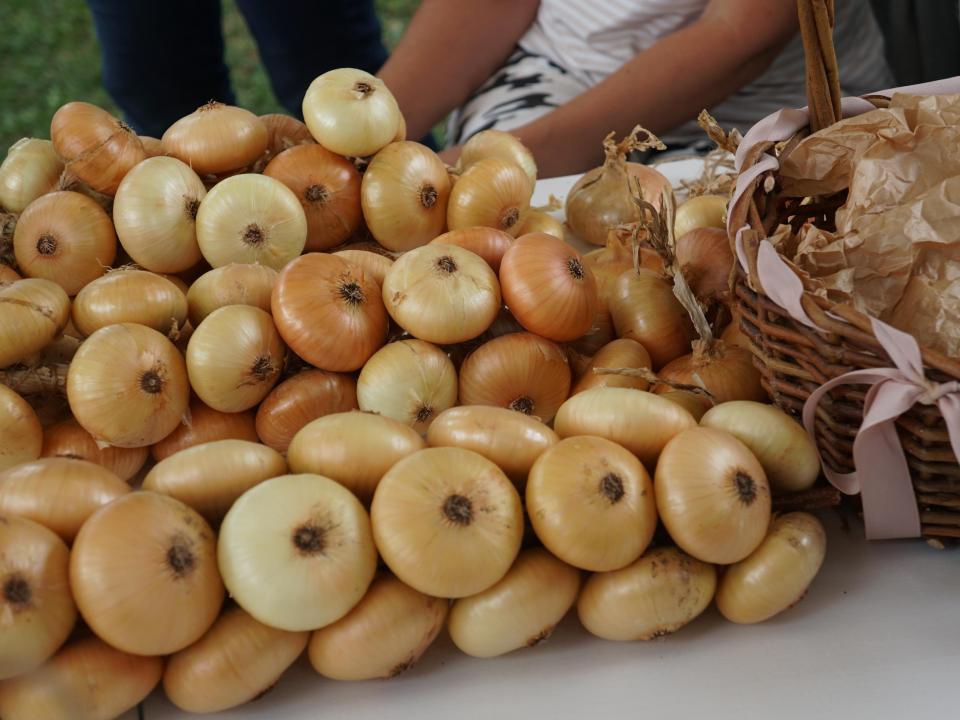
(882, 477)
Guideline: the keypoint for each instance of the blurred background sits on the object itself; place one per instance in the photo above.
(50, 56)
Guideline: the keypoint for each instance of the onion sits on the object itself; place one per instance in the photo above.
(32, 313)
(712, 495)
(87, 676)
(300, 400)
(521, 372)
(151, 146)
(64, 237)
(706, 262)
(95, 146)
(496, 143)
(156, 213)
(612, 261)
(732, 336)
(645, 309)
(355, 449)
(601, 199)
(351, 112)
(411, 381)
(237, 661)
(31, 169)
(373, 264)
(20, 429)
(641, 422)
(129, 296)
(328, 188)
(447, 522)
(210, 477)
(59, 493)
(442, 294)
(216, 139)
(308, 540)
(489, 243)
(600, 334)
(705, 211)
(788, 455)
(67, 439)
(591, 503)
(206, 425)
(537, 221)
(548, 288)
(405, 192)
(35, 604)
(623, 353)
(776, 575)
(519, 611)
(128, 386)
(251, 219)
(144, 575)
(329, 312)
(655, 596)
(508, 439)
(383, 636)
(8, 274)
(491, 193)
(688, 401)
(230, 285)
(283, 133)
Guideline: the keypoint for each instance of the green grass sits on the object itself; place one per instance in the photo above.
(50, 56)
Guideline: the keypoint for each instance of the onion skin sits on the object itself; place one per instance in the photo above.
(490, 193)
(151, 146)
(206, 425)
(68, 439)
(655, 596)
(31, 169)
(8, 274)
(216, 138)
(732, 336)
(705, 211)
(535, 221)
(294, 403)
(728, 373)
(548, 288)
(22, 434)
(235, 662)
(374, 264)
(129, 296)
(612, 261)
(497, 143)
(86, 680)
(521, 610)
(706, 262)
(382, 637)
(283, 132)
(622, 353)
(600, 334)
(688, 401)
(641, 422)
(776, 575)
(488, 243)
(233, 284)
(32, 313)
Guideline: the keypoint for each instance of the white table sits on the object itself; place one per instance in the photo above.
(877, 637)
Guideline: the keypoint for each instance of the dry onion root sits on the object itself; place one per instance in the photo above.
(206, 425)
(20, 429)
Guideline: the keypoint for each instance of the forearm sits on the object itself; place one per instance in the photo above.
(449, 49)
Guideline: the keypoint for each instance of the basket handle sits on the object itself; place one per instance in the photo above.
(823, 79)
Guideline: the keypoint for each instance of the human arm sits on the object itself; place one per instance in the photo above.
(448, 50)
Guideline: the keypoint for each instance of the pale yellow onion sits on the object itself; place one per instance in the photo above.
(31, 169)
(447, 522)
(132, 296)
(382, 637)
(235, 357)
(655, 596)
(490, 193)
(351, 112)
(210, 477)
(372, 263)
(706, 262)
(206, 425)
(411, 381)
(216, 139)
(497, 143)
(591, 503)
(537, 221)
(442, 294)
(610, 262)
(520, 371)
(8, 274)
(600, 334)
(86, 680)
(64, 237)
(251, 219)
(728, 373)
(283, 133)
(712, 495)
(296, 552)
(238, 660)
(59, 493)
(155, 213)
(704, 211)
(356, 449)
(622, 353)
(144, 575)
(488, 243)
(786, 452)
(641, 422)
(128, 386)
(69, 440)
(509, 439)
(94, 145)
(404, 196)
(521, 610)
(688, 401)
(401, 130)
(151, 146)
(36, 608)
(776, 575)
(233, 284)
(32, 313)
(300, 400)
(20, 429)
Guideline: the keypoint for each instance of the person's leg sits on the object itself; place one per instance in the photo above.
(162, 60)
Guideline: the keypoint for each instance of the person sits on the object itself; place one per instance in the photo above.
(562, 74)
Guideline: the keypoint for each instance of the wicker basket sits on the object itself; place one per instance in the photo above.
(795, 359)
